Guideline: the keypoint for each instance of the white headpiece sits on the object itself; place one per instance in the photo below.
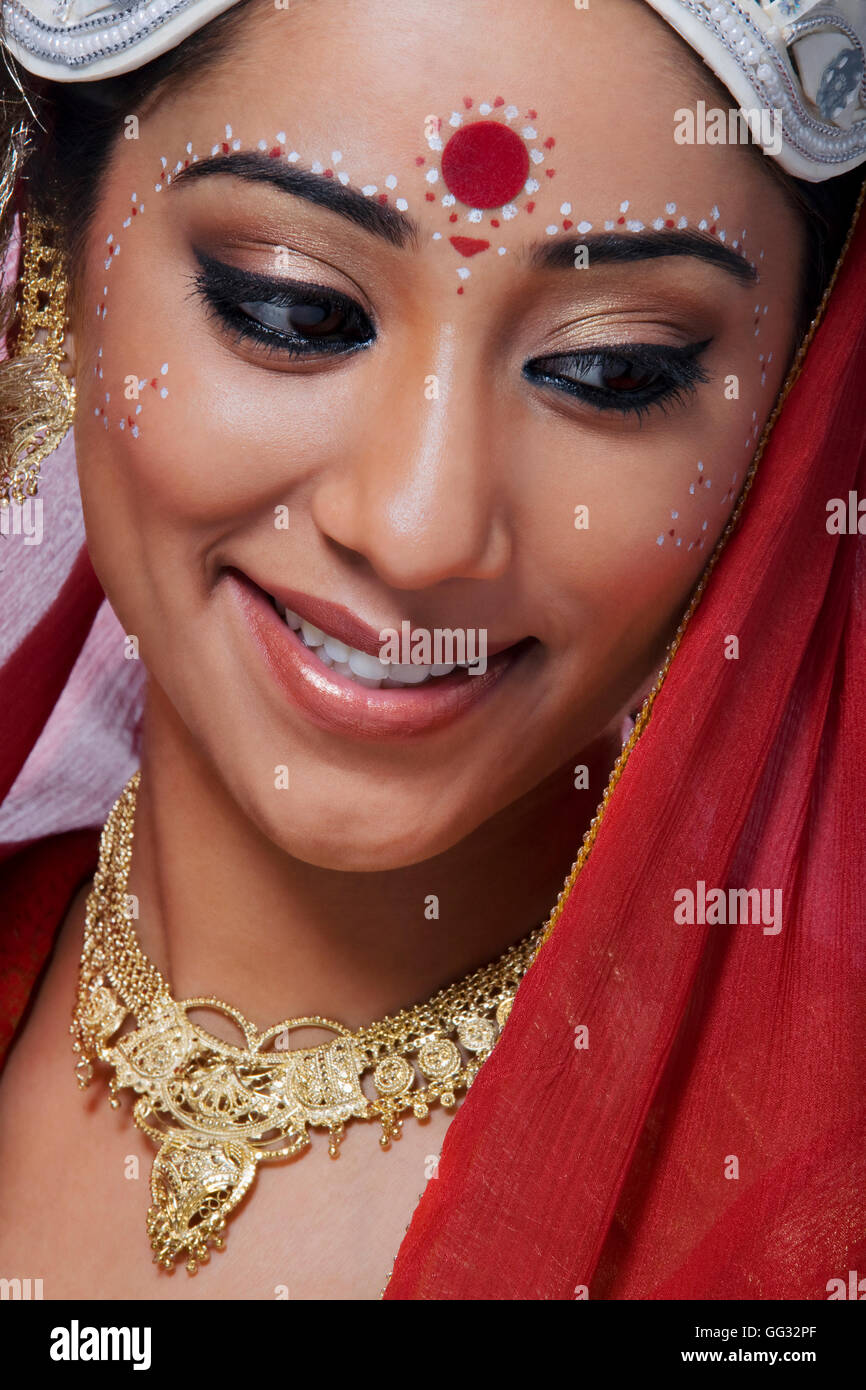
(804, 61)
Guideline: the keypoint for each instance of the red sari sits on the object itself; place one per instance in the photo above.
(708, 1141)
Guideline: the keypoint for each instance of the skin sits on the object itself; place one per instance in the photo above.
(458, 512)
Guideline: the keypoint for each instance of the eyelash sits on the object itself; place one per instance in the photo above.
(225, 289)
(676, 373)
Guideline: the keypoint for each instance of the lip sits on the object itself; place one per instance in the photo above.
(339, 622)
(339, 705)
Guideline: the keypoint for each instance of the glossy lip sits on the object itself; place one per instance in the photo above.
(339, 705)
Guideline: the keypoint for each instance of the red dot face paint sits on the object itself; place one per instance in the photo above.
(492, 161)
(485, 161)
(468, 245)
(485, 164)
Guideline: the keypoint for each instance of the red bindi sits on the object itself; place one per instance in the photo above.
(485, 164)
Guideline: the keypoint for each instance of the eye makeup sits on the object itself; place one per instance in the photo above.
(630, 379)
(297, 318)
(304, 320)
(470, 157)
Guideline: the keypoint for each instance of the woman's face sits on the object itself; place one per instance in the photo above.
(368, 374)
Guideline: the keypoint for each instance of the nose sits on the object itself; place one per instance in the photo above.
(417, 494)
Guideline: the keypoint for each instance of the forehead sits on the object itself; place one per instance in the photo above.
(561, 128)
(598, 86)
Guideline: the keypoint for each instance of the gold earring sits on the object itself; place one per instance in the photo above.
(37, 402)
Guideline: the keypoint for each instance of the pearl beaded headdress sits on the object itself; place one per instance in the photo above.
(803, 61)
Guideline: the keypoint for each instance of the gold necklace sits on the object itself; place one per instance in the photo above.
(217, 1110)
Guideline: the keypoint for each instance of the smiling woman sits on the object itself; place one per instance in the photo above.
(453, 338)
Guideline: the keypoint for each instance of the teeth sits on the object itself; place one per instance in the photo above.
(370, 667)
(409, 675)
(336, 649)
(359, 666)
(313, 636)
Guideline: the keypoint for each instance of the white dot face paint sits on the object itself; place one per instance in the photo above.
(701, 485)
(476, 166)
(481, 167)
(126, 410)
(688, 528)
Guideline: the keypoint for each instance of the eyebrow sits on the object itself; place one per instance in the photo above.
(399, 229)
(383, 221)
(605, 247)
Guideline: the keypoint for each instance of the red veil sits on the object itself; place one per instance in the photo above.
(707, 1142)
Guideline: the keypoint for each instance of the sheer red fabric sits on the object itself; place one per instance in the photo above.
(712, 1050)
(708, 1142)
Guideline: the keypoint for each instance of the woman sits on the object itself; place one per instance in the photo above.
(436, 337)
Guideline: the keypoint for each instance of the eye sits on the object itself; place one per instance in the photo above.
(296, 319)
(614, 374)
(632, 381)
(280, 316)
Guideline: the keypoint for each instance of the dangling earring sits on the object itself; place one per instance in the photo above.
(37, 402)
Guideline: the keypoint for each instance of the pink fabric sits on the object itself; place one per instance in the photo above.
(71, 704)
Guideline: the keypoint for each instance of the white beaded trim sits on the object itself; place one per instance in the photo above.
(768, 73)
(739, 39)
(76, 45)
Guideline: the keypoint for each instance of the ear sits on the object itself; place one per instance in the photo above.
(67, 365)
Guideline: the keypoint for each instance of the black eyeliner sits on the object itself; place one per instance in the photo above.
(679, 371)
(224, 288)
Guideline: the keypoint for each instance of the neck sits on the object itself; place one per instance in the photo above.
(223, 911)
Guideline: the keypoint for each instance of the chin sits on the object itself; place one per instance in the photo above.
(373, 843)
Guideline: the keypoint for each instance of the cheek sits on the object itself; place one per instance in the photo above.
(679, 498)
(635, 521)
(700, 505)
(171, 428)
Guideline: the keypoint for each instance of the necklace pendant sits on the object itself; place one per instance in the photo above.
(194, 1184)
(217, 1109)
